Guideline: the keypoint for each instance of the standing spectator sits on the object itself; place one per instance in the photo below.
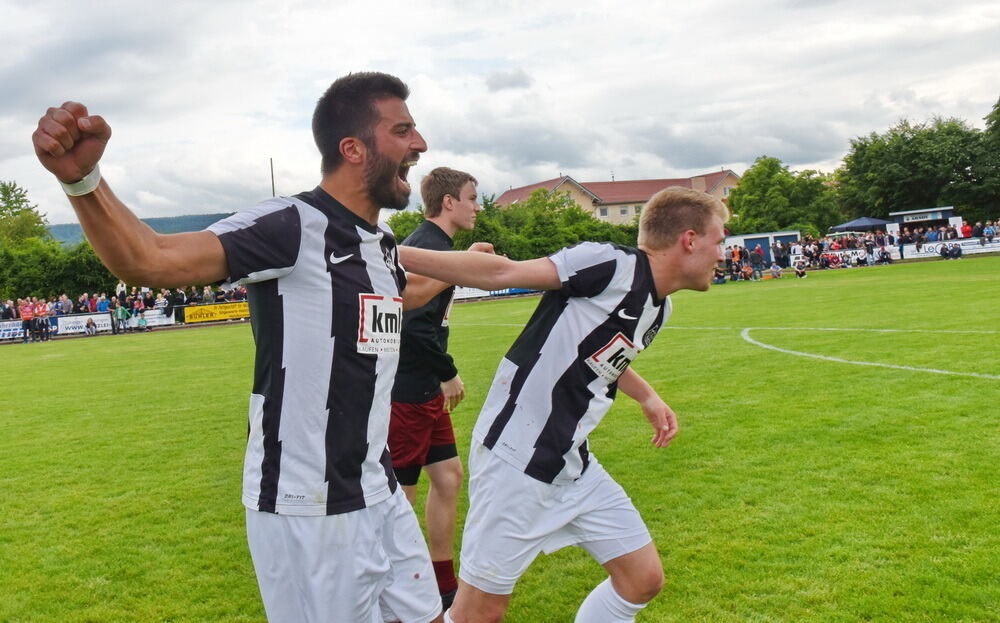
(42, 325)
(179, 300)
(121, 290)
(757, 263)
(113, 306)
(27, 313)
(122, 316)
(989, 231)
(207, 296)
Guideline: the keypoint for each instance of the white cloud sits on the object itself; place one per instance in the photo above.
(202, 95)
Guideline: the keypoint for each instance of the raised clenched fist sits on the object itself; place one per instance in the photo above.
(69, 141)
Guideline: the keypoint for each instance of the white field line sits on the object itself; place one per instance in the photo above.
(745, 334)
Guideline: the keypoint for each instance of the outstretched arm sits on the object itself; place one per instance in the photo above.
(480, 270)
(661, 417)
(69, 142)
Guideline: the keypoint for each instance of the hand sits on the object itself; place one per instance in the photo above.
(69, 142)
(663, 420)
(482, 247)
(454, 392)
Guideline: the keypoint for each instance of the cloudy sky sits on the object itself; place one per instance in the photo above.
(201, 95)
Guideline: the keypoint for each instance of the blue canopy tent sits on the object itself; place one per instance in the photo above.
(865, 223)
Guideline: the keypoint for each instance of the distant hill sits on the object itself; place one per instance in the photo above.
(70, 233)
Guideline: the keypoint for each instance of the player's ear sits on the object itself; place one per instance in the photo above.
(353, 150)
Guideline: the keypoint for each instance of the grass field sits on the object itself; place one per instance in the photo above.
(800, 489)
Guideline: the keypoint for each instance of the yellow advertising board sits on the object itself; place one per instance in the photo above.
(216, 312)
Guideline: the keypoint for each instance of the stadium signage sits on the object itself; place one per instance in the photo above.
(10, 330)
(922, 216)
(216, 312)
(77, 323)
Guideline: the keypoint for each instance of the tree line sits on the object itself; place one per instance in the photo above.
(538, 226)
(33, 264)
(910, 166)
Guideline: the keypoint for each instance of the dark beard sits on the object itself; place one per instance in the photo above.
(380, 182)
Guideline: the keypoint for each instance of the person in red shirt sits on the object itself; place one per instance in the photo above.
(41, 328)
(966, 229)
(27, 311)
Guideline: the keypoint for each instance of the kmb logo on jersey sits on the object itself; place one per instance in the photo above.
(381, 318)
(611, 360)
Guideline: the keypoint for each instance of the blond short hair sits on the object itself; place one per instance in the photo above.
(438, 183)
(674, 210)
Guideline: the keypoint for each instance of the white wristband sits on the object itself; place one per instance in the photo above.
(85, 186)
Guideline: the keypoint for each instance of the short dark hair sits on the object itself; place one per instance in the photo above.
(438, 183)
(348, 109)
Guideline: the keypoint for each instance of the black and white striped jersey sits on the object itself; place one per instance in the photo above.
(324, 292)
(560, 376)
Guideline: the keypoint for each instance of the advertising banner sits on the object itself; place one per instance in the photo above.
(10, 330)
(933, 249)
(216, 312)
(67, 325)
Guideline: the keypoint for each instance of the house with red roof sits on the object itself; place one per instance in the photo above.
(620, 202)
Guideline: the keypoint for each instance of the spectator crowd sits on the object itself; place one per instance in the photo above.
(845, 250)
(127, 308)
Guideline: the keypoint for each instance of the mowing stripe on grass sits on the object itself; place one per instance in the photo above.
(745, 334)
(675, 328)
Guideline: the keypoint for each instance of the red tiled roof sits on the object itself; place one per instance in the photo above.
(519, 194)
(712, 179)
(626, 191)
(637, 191)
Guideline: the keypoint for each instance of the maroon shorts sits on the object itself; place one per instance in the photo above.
(415, 428)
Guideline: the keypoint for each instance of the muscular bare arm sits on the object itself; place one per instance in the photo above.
(69, 142)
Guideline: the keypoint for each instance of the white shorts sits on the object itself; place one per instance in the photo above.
(366, 566)
(513, 517)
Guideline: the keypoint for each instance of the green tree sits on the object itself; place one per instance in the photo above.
(404, 222)
(911, 167)
(19, 219)
(985, 201)
(541, 224)
(544, 222)
(770, 197)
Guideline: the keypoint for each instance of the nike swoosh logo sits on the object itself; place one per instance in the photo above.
(336, 260)
(622, 314)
